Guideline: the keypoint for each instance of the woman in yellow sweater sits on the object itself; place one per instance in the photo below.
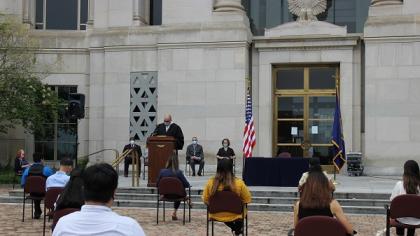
(226, 180)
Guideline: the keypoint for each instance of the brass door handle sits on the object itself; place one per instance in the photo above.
(160, 146)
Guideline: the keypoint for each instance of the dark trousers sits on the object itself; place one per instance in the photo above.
(37, 204)
(127, 161)
(235, 226)
(195, 162)
(410, 232)
(177, 204)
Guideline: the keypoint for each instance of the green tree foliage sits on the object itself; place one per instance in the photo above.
(24, 99)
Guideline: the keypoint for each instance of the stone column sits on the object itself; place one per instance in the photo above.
(228, 5)
(25, 12)
(386, 2)
(141, 12)
(91, 8)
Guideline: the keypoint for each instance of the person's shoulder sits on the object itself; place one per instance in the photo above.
(239, 182)
(399, 184)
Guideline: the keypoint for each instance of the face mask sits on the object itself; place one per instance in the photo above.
(131, 141)
(167, 123)
(225, 145)
(194, 141)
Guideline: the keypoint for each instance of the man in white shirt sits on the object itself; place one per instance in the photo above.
(61, 177)
(96, 216)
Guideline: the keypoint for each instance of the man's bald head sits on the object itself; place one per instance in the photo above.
(167, 118)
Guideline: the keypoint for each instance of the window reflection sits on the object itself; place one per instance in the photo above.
(270, 13)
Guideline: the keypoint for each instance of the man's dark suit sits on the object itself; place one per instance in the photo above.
(197, 151)
(128, 159)
(174, 131)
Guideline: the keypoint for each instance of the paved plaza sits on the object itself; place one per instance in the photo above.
(260, 223)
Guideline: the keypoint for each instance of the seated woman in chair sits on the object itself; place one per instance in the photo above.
(409, 185)
(20, 162)
(72, 195)
(226, 180)
(316, 200)
(172, 170)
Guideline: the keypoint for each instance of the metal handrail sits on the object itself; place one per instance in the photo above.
(102, 150)
(135, 171)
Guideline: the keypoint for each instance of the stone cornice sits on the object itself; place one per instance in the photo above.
(320, 41)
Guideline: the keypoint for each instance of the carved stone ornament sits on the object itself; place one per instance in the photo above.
(307, 10)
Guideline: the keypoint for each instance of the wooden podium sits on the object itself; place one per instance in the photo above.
(160, 148)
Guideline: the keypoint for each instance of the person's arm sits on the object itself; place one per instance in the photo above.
(201, 153)
(396, 191)
(206, 191)
(24, 175)
(184, 181)
(179, 138)
(47, 171)
(296, 214)
(219, 154)
(244, 194)
(339, 214)
(188, 153)
(233, 154)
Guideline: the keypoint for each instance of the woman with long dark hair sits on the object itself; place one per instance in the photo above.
(172, 170)
(226, 180)
(316, 200)
(409, 185)
(72, 195)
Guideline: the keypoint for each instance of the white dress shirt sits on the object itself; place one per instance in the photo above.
(99, 221)
(59, 179)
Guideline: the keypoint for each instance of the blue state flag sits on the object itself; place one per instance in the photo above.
(339, 150)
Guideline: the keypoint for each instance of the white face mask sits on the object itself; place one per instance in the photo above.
(194, 141)
(225, 145)
(131, 142)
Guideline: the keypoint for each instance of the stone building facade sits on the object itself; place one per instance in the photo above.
(198, 61)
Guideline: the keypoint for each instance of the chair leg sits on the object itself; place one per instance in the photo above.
(45, 218)
(32, 208)
(164, 210)
(157, 212)
(23, 211)
(207, 223)
(189, 212)
(212, 228)
(183, 219)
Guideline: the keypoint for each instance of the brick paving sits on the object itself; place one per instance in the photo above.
(260, 223)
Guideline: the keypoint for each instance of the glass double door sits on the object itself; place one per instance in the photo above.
(305, 103)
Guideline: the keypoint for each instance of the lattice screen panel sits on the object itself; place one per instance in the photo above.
(143, 104)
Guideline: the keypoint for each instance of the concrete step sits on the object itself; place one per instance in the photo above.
(354, 206)
(259, 193)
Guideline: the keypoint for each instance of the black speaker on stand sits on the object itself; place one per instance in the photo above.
(76, 110)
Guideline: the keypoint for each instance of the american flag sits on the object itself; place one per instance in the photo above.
(249, 130)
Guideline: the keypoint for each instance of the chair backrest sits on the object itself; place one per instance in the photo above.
(35, 184)
(171, 186)
(51, 196)
(225, 201)
(407, 205)
(284, 155)
(319, 225)
(60, 213)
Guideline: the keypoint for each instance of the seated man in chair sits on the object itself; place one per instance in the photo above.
(195, 155)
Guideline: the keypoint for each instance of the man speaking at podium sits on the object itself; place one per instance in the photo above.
(169, 128)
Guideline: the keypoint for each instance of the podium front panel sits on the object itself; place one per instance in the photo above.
(160, 149)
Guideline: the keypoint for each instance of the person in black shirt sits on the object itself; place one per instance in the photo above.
(170, 129)
(225, 152)
(129, 158)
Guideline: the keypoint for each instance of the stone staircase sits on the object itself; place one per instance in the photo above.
(262, 200)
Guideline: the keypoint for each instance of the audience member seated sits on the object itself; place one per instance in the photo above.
(225, 152)
(409, 185)
(316, 200)
(72, 195)
(96, 216)
(225, 180)
(20, 162)
(195, 155)
(172, 170)
(36, 169)
(314, 165)
(60, 178)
